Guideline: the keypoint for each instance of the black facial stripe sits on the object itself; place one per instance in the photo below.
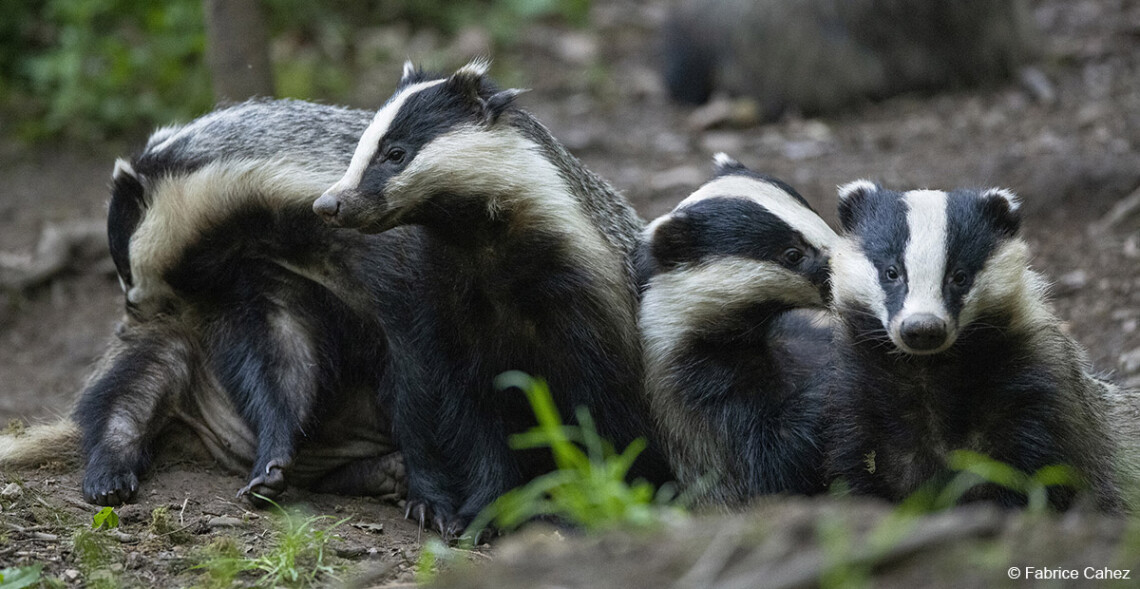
(971, 240)
(883, 233)
(724, 226)
(424, 116)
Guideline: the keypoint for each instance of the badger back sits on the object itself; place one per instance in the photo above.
(269, 156)
(919, 267)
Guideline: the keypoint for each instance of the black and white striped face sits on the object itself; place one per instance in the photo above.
(748, 228)
(431, 136)
(922, 265)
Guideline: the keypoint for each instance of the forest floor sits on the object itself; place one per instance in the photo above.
(1071, 159)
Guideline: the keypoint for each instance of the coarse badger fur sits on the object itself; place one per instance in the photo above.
(527, 265)
(947, 342)
(246, 316)
(736, 360)
(820, 55)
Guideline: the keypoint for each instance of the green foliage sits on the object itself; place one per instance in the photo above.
(20, 577)
(849, 563)
(105, 517)
(297, 556)
(95, 552)
(88, 68)
(588, 488)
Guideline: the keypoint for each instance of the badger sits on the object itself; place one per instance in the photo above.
(947, 341)
(817, 56)
(246, 317)
(736, 343)
(527, 264)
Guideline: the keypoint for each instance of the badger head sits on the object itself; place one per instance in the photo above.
(749, 229)
(434, 139)
(923, 265)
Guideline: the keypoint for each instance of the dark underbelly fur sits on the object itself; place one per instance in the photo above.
(894, 419)
(519, 305)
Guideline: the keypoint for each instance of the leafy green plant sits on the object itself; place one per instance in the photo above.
(105, 517)
(298, 555)
(95, 553)
(20, 577)
(588, 489)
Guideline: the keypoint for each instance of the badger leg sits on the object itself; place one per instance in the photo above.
(125, 406)
(266, 360)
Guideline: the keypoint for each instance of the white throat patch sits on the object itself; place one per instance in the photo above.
(370, 140)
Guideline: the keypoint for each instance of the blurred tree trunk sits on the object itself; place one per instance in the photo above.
(237, 47)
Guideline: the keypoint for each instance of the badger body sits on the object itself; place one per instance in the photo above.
(736, 341)
(947, 342)
(246, 316)
(526, 264)
(821, 55)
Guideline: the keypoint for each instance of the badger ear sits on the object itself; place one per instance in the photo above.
(498, 102)
(468, 80)
(726, 164)
(1002, 208)
(852, 198)
(409, 72)
(671, 239)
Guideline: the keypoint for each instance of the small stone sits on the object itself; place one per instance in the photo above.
(375, 528)
(71, 574)
(11, 491)
(223, 521)
(1129, 326)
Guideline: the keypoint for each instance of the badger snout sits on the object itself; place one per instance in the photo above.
(327, 206)
(924, 332)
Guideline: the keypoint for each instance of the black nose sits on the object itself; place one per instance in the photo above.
(923, 332)
(327, 206)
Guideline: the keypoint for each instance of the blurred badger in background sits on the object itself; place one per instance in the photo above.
(816, 56)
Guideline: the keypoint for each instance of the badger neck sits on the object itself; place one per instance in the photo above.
(508, 203)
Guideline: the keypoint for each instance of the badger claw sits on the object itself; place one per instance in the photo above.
(270, 484)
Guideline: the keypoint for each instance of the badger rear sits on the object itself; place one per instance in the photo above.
(245, 317)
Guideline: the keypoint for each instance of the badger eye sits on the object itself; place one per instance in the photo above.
(892, 274)
(959, 278)
(396, 155)
(793, 255)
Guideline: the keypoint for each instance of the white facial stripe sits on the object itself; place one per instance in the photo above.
(855, 280)
(925, 255)
(370, 140)
(769, 196)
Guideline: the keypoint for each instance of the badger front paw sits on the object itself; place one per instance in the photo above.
(443, 519)
(109, 485)
(268, 482)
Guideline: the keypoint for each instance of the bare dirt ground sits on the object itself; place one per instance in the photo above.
(1071, 159)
